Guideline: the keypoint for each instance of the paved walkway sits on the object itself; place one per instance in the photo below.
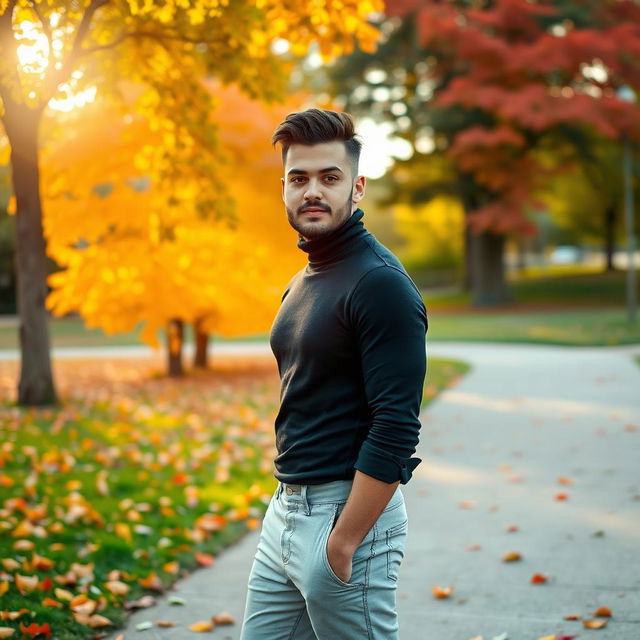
(493, 449)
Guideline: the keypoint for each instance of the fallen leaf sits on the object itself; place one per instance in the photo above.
(594, 624)
(561, 496)
(35, 629)
(50, 602)
(474, 547)
(165, 623)
(117, 588)
(502, 636)
(538, 578)
(441, 592)
(224, 617)
(512, 528)
(142, 626)
(511, 556)
(141, 603)
(25, 584)
(565, 480)
(203, 625)
(467, 504)
(573, 616)
(602, 611)
(205, 559)
(176, 600)
(6, 632)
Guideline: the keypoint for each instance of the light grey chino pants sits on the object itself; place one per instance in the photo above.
(293, 594)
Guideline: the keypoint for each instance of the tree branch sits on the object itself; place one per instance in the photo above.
(56, 76)
(45, 24)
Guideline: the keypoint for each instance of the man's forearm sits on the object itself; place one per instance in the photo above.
(367, 500)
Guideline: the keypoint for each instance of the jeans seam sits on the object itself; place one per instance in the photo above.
(296, 623)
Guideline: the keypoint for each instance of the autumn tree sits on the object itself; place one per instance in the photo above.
(52, 50)
(483, 90)
(131, 255)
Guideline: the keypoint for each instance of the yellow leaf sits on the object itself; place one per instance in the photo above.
(203, 625)
(122, 530)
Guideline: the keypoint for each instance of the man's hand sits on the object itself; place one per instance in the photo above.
(340, 556)
(367, 499)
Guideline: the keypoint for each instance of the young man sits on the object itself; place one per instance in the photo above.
(349, 340)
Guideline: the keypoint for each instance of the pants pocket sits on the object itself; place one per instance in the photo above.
(335, 514)
(395, 538)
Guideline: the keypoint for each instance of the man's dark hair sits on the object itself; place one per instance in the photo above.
(314, 126)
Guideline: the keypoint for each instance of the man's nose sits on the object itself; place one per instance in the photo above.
(313, 191)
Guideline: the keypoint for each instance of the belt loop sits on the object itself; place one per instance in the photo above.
(303, 496)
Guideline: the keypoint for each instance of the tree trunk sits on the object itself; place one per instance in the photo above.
(36, 386)
(489, 286)
(175, 340)
(467, 281)
(201, 339)
(610, 219)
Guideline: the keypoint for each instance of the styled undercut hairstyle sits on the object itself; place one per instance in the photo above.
(314, 126)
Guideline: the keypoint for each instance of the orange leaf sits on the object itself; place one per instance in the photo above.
(602, 611)
(171, 567)
(165, 623)
(511, 556)
(513, 527)
(203, 625)
(224, 617)
(467, 504)
(6, 632)
(441, 592)
(538, 578)
(152, 581)
(4, 587)
(205, 559)
(565, 480)
(50, 602)
(573, 616)
(594, 624)
(561, 496)
(474, 547)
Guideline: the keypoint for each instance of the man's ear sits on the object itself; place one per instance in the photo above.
(282, 181)
(358, 189)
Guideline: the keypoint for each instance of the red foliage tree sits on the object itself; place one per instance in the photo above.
(534, 74)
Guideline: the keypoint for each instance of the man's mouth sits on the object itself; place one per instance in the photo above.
(313, 210)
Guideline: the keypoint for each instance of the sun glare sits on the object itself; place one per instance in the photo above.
(34, 56)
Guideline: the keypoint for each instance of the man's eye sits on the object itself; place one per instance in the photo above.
(331, 178)
(297, 179)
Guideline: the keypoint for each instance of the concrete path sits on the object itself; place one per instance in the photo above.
(493, 450)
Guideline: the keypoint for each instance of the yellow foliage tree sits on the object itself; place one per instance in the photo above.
(57, 49)
(432, 233)
(132, 252)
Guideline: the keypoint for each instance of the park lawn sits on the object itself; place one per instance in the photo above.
(600, 327)
(133, 483)
(560, 288)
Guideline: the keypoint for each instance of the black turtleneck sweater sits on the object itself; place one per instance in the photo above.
(349, 339)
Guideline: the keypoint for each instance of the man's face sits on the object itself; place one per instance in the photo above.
(318, 190)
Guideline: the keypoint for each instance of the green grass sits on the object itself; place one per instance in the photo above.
(604, 327)
(105, 481)
(562, 288)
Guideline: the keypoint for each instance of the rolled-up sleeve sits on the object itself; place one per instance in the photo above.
(390, 323)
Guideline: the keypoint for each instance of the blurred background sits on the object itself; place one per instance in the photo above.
(500, 146)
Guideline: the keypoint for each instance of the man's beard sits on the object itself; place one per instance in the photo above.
(318, 228)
